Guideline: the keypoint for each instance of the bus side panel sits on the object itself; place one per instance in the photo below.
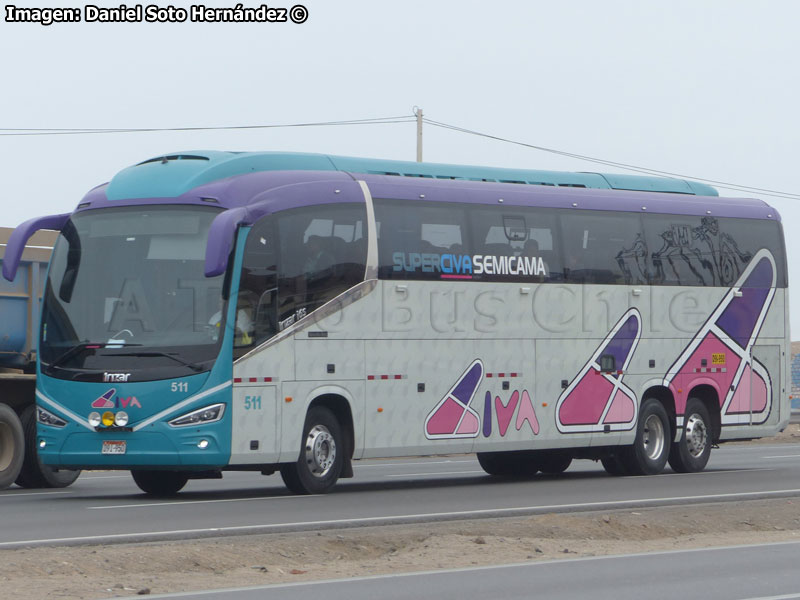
(255, 424)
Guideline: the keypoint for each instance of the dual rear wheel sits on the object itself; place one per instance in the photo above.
(653, 446)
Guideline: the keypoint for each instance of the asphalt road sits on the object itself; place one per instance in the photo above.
(104, 507)
(762, 572)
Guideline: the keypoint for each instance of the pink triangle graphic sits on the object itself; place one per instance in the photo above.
(105, 401)
(526, 413)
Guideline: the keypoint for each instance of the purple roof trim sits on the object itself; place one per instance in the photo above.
(21, 235)
(245, 190)
(382, 186)
(255, 195)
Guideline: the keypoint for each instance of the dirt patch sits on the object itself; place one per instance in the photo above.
(124, 570)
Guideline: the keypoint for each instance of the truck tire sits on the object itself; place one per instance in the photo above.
(34, 473)
(12, 446)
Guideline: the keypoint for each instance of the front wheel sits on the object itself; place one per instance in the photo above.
(690, 454)
(321, 455)
(650, 449)
(554, 462)
(34, 473)
(508, 464)
(160, 483)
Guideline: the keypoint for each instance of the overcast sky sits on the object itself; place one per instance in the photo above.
(698, 87)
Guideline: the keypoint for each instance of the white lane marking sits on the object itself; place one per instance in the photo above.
(722, 472)
(182, 503)
(435, 473)
(415, 464)
(783, 456)
(15, 494)
(524, 565)
(366, 520)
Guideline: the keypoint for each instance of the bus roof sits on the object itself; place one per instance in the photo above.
(188, 170)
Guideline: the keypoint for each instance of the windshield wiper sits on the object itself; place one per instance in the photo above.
(81, 348)
(173, 355)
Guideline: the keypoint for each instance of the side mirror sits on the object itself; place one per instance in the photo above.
(21, 235)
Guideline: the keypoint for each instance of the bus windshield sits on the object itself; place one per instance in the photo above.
(127, 292)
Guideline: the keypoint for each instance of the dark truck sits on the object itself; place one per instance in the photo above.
(20, 304)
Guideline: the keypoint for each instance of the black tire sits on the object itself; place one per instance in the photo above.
(650, 450)
(321, 457)
(12, 446)
(691, 453)
(34, 473)
(554, 462)
(508, 464)
(613, 466)
(160, 483)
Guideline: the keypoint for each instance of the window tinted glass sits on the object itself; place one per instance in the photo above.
(603, 247)
(295, 262)
(415, 237)
(529, 235)
(707, 250)
(256, 302)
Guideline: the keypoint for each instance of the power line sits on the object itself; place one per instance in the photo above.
(22, 132)
(626, 166)
(25, 132)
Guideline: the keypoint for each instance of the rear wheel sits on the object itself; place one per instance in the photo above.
(321, 455)
(508, 464)
(650, 449)
(12, 446)
(160, 483)
(34, 473)
(690, 454)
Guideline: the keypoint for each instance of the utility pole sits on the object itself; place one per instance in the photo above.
(418, 113)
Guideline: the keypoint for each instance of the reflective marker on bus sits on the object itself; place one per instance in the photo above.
(268, 312)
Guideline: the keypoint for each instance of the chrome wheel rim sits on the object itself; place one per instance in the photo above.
(320, 451)
(696, 435)
(653, 437)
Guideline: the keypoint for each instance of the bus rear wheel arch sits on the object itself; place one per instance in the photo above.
(321, 457)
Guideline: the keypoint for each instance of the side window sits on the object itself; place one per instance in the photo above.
(323, 252)
(708, 251)
(516, 244)
(681, 249)
(256, 302)
(422, 240)
(604, 248)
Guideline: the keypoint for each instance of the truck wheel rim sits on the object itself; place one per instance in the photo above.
(320, 451)
(696, 435)
(6, 446)
(653, 437)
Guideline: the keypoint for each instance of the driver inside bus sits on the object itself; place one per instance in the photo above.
(244, 334)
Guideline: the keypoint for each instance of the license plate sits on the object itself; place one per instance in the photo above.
(114, 447)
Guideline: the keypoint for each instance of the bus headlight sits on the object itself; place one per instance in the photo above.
(94, 419)
(201, 416)
(48, 418)
(121, 419)
(108, 418)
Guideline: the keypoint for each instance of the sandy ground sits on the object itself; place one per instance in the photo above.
(132, 569)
